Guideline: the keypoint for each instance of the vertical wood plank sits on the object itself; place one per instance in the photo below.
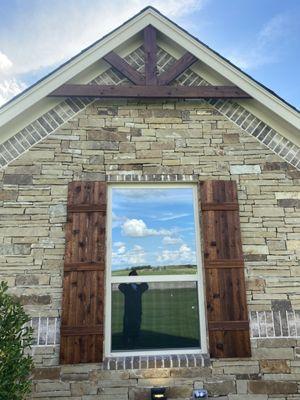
(83, 289)
(225, 283)
(150, 49)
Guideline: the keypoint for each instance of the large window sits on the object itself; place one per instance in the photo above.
(154, 280)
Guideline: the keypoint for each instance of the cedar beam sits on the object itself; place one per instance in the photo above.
(126, 69)
(154, 92)
(150, 55)
(177, 68)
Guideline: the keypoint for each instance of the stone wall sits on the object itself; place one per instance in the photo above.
(154, 141)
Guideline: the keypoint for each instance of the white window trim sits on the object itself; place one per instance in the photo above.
(198, 277)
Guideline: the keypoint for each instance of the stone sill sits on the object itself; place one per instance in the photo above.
(162, 361)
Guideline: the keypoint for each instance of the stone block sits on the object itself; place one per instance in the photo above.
(57, 210)
(139, 393)
(150, 373)
(231, 138)
(268, 211)
(75, 377)
(54, 386)
(274, 367)
(220, 387)
(96, 160)
(272, 387)
(276, 166)
(15, 249)
(289, 203)
(107, 134)
(255, 249)
(293, 245)
(48, 373)
(27, 280)
(17, 179)
(287, 195)
(182, 391)
(83, 388)
(35, 299)
(245, 169)
(255, 284)
(10, 195)
(247, 397)
(273, 353)
(198, 373)
(104, 375)
(255, 257)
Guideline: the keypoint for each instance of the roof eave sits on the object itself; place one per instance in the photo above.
(149, 16)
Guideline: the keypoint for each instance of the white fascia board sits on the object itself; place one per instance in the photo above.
(73, 67)
(256, 108)
(226, 69)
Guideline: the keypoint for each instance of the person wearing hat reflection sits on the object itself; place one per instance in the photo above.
(132, 318)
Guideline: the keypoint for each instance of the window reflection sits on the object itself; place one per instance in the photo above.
(132, 311)
(155, 315)
(153, 231)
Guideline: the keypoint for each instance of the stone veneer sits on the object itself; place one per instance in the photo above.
(155, 141)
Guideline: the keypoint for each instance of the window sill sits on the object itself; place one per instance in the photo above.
(162, 361)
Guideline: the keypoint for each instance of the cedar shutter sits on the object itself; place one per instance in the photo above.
(228, 323)
(83, 285)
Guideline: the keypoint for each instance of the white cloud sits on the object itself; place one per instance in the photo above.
(266, 47)
(138, 228)
(5, 62)
(9, 85)
(170, 216)
(10, 88)
(134, 256)
(171, 240)
(118, 244)
(45, 34)
(182, 255)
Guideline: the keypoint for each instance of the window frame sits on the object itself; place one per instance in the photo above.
(198, 277)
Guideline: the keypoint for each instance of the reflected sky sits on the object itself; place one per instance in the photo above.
(152, 227)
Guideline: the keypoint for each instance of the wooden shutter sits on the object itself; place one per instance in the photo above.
(83, 285)
(224, 270)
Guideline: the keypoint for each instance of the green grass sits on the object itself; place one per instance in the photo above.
(165, 270)
(169, 319)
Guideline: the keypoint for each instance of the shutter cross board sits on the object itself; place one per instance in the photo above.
(152, 85)
(228, 325)
(83, 285)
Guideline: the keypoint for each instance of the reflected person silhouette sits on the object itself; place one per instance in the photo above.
(132, 318)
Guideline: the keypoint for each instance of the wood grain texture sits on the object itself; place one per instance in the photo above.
(126, 69)
(151, 92)
(150, 48)
(83, 286)
(223, 262)
(177, 69)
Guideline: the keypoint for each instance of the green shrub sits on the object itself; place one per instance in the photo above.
(15, 365)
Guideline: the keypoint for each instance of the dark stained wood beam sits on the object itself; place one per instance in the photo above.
(177, 68)
(150, 48)
(155, 92)
(126, 69)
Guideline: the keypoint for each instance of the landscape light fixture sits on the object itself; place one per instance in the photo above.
(158, 394)
(200, 394)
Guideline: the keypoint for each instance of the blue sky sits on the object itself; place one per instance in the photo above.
(152, 227)
(260, 36)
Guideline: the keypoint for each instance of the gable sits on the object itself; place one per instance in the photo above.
(256, 116)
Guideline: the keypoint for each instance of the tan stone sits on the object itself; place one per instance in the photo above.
(50, 373)
(293, 245)
(271, 387)
(274, 366)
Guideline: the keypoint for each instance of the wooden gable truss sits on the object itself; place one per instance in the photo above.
(151, 85)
